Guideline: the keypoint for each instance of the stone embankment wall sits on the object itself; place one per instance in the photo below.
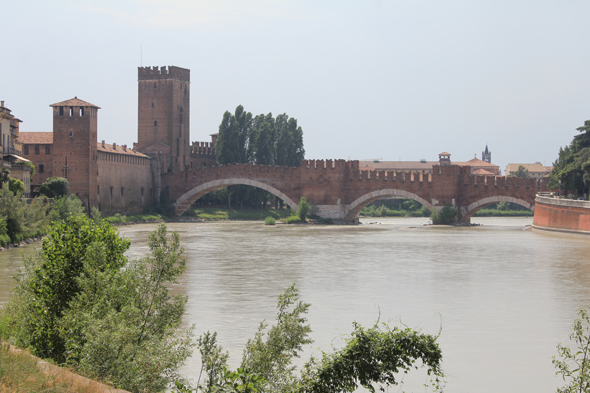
(562, 215)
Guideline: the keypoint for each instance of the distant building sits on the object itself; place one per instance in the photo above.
(478, 167)
(536, 170)
(11, 148)
(486, 155)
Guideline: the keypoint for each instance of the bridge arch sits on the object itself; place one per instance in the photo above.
(187, 199)
(357, 205)
(471, 209)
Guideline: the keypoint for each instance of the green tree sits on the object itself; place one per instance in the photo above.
(446, 216)
(81, 302)
(521, 172)
(16, 186)
(574, 366)
(303, 209)
(370, 356)
(4, 176)
(65, 206)
(570, 162)
(55, 187)
(23, 220)
(32, 168)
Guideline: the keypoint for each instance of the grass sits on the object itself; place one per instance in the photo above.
(21, 372)
(503, 213)
(216, 213)
(119, 219)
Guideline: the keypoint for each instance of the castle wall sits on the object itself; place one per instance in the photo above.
(43, 162)
(124, 183)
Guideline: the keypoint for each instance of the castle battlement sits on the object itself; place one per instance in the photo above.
(164, 72)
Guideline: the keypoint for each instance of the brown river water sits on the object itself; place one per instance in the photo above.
(504, 296)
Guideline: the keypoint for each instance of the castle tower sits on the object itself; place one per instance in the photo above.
(163, 115)
(74, 147)
(486, 155)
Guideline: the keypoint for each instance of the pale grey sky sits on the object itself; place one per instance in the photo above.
(365, 79)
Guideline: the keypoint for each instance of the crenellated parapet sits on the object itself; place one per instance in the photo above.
(164, 72)
(202, 149)
(339, 190)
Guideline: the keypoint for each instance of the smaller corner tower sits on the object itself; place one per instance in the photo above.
(75, 148)
(163, 116)
(486, 155)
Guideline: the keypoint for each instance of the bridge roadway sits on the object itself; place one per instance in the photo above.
(339, 189)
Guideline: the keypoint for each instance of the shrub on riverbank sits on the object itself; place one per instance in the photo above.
(81, 302)
(136, 218)
(383, 211)
(269, 221)
(292, 220)
(215, 213)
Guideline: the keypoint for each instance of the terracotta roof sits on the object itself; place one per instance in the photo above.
(35, 137)
(444, 153)
(483, 172)
(537, 167)
(74, 102)
(396, 165)
(119, 150)
(476, 162)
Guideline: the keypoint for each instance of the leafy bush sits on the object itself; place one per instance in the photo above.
(16, 186)
(81, 302)
(378, 355)
(446, 216)
(292, 220)
(55, 187)
(22, 220)
(303, 209)
(574, 366)
(269, 221)
(65, 206)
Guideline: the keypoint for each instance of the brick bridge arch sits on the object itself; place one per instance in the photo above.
(470, 210)
(187, 199)
(357, 205)
(339, 189)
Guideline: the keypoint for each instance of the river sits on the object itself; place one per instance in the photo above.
(503, 296)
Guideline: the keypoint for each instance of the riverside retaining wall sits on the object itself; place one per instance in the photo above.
(562, 215)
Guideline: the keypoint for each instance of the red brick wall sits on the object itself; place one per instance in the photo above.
(74, 143)
(42, 159)
(133, 174)
(164, 97)
(553, 216)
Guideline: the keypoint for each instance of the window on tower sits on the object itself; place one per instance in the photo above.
(155, 85)
(155, 123)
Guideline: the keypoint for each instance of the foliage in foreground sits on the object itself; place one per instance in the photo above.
(574, 366)
(572, 166)
(20, 220)
(81, 302)
(370, 357)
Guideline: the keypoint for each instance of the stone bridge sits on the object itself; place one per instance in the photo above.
(339, 190)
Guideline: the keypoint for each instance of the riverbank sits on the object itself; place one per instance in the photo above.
(22, 372)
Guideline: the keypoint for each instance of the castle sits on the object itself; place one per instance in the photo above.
(115, 178)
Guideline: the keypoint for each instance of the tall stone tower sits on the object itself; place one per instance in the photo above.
(163, 116)
(74, 147)
(486, 155)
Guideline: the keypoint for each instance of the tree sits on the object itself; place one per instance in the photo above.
(446, 216)
(370, 356)
(55, 187)
(303, 209)
(574, 366)
(65, 206)
(83, 303)
(522, 172)
(16, 186)
(570, 164)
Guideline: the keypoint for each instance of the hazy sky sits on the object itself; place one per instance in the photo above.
(365, 79)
